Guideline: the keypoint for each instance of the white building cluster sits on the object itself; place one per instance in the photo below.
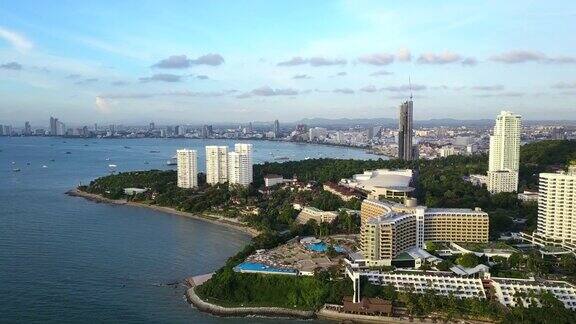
(221, 166)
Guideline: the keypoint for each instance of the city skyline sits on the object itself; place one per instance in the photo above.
(341, 59)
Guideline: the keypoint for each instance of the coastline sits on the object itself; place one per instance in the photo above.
(274, 312)
(211, 219)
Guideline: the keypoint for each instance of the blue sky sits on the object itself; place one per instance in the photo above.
(190, 62)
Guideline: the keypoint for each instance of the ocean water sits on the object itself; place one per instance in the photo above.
(68, 260)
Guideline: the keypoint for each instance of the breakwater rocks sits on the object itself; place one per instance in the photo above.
(245, 311)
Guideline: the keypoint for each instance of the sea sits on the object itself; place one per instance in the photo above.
(69, 260)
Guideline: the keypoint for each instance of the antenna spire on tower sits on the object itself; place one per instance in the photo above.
(410, 86)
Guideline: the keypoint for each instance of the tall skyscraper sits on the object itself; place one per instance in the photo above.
(187, 168)
(216, 164)
(405, 147)
(556, 212)
(504, 157)
(276, 129)
(27, 129)
(240, 165)
(53, 126)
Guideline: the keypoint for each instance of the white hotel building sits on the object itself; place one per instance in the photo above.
(187, 168)
(557, 208)
(479, 286)
(216, 164)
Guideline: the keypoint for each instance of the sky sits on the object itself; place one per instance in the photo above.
(237, 61)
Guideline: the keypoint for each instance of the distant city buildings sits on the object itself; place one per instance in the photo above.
(504, 157)
(276, 129)
(187, 168)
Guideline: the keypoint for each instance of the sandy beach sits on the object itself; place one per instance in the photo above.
(230, 223)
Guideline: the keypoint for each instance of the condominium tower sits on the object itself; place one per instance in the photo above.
(187, 168)
(216, 164)
(240, 165)
(557, 207)
(504, 153)
(405, 147)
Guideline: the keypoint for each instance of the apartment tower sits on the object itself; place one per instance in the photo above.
(504, 153)
(187, 168)
(216, 164)
(240, 165)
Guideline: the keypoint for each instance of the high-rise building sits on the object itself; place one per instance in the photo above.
(216, 164)
(276, 129)
(60, 128)
(240, 165)
(388, 228)
(405, 149)
(151, 127)
(53, 127)
(206, 131)
(187, 168)
(27, 129)
(556, 209)
(504, 157)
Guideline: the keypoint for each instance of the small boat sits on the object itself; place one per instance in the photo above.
(146, 162)
(112, 165)
(13, 162)
(68, 152)
(107, 159)
(282, 158)
(52, 160)
(16, 170)
(27, 163)
(126, 147)
(44, 166)
(172, 161)
(154, 151)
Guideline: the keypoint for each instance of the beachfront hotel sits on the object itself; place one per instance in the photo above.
(504, 157)
(388, 229)
(187, 168)
(479, 285)
(316, 214)
(216, 164)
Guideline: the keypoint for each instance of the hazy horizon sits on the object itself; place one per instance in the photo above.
(176, 62)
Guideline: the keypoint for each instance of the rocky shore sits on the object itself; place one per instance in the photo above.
(245, 311)
(212, 219)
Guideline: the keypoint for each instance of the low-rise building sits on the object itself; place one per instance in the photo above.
(527, 196)
(383, 183)
(345, 193)
(316, 214)
(272, 180)
(515, 292)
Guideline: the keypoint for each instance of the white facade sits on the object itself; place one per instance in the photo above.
(557, 206)
(239, 169)
(508, 289)
(216, 164)
(246, 149)
(447, 151)
(187, 168)
(504, 153)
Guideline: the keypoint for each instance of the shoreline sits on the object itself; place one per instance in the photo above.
(217, 310)
(168, 210)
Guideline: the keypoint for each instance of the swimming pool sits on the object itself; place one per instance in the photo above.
(261, 267)
(322, 247)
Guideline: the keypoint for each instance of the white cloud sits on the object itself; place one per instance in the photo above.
(19, 42)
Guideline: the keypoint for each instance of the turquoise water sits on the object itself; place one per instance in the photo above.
(254, 266)
(68, 260)
(322, 247)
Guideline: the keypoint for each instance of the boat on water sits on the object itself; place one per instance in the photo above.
(44, 166)
(68, 152)
(16, 170)
(282, 158)
(173, 161)
(154, 151)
